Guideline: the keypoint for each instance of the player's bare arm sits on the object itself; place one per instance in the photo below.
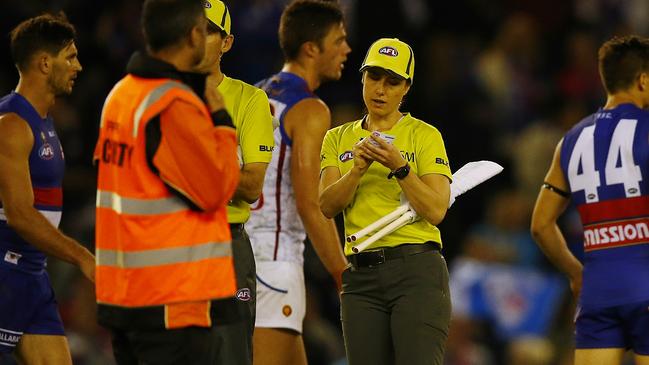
(549, 206)
(306, 123)
(17, 198)
(428, 195)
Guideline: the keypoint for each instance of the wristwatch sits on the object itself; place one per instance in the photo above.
(401, 172)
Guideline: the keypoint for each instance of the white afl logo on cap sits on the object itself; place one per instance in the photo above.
(207, 4)
(389, 51)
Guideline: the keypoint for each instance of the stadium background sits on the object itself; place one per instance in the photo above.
(502, 80)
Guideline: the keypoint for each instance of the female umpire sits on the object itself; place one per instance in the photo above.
(395, 299)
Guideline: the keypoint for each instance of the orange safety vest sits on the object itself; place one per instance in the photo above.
(152, 249)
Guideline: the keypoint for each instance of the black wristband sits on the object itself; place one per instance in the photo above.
(401, 172)
(555, 189)
(221, 118)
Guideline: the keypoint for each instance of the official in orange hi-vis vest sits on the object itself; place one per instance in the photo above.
(167, 168)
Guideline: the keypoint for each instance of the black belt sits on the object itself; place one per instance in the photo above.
(377, 257)
(236, 226)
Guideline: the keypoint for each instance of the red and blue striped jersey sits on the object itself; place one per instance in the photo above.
(46, 167)
(605, 159)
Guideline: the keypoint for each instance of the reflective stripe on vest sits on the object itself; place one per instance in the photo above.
(165, 256)
(152, 249)
(153, 96)
(110, 200)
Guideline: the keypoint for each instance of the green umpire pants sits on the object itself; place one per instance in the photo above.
(396, 311)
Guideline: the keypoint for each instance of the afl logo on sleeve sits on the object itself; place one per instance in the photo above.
(346, 156)
(46, 152)
(207, 5)
(389, 51)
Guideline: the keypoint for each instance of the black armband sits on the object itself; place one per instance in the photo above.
(221, 118)
(555, 189)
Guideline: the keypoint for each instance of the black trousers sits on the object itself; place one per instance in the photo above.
(191, 345)
(216, 345)
(223, 344)
(396, 307)
(245, 271)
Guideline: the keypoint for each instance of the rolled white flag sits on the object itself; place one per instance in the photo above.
(466, 178)
(379, 223)
(471, 175)
(406, 218)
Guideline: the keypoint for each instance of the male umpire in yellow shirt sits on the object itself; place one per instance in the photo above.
(250, 111)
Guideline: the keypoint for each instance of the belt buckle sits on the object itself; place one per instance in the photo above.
(380, 258)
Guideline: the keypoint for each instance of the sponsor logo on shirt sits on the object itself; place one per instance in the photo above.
(12, 257)
(615, 234)
(408, 156)
(9, 338)
(346, 156)
(263, 148)
(603, 115)
(441, 161)
(389, 51)
(46, 152)
(243, 294)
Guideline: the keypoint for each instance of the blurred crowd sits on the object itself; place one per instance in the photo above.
(502, 80)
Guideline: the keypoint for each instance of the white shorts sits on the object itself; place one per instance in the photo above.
(281, 295)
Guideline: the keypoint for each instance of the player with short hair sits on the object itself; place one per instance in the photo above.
(313, 39)
(31, 199)
(602, 166)
(250, 111)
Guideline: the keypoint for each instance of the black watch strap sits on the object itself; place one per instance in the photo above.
(401, 172)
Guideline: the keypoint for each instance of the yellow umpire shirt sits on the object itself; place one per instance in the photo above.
(250, 111)
(419, 143)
